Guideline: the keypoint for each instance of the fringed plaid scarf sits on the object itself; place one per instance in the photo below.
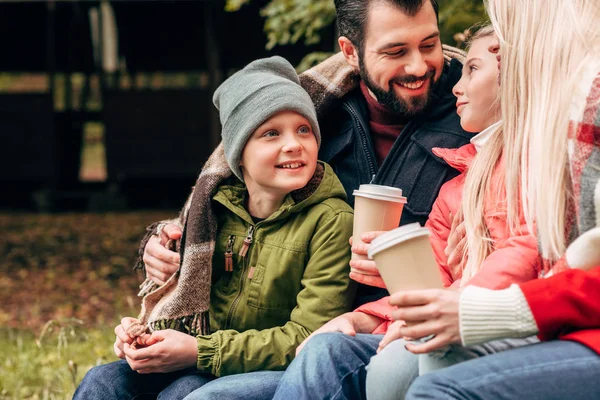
(182, 303)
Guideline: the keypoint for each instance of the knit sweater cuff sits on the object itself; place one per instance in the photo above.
(486, 315)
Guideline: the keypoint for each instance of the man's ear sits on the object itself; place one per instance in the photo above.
(349, 50)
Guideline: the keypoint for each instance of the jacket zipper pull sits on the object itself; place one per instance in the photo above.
(247, 242)
(229, 254)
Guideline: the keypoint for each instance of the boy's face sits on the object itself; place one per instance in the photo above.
(281, 154)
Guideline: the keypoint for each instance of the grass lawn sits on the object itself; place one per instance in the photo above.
(50, 366)
(65, 282)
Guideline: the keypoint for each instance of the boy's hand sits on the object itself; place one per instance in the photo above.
(166, 351)
(160, 262)
(365, 271)
(122, 337)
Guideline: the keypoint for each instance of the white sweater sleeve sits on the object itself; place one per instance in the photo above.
(486, 315)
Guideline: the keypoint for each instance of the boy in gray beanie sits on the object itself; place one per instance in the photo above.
(253, 95)
(264, 254)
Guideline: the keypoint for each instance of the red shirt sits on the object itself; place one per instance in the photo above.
(385, 126)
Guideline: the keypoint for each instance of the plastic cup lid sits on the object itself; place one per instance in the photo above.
(395, 236)
(379, 192)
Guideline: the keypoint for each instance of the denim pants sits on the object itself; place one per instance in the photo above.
(259, 385)
(391, 372)
(118, 381)
(556, 370)
(331, 366)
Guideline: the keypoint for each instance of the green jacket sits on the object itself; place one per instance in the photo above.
(293, 279)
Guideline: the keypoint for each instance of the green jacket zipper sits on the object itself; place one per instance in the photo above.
(243, 251)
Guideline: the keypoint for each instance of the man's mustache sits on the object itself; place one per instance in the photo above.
(412, 78)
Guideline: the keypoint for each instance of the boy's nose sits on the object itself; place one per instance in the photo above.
(292, 145)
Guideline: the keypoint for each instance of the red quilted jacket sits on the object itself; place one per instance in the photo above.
(515, 259)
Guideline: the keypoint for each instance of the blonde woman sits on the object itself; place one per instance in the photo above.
(550, 84)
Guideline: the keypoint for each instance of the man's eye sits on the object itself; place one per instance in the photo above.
(304, 129)
(394, 53)
(428, 47)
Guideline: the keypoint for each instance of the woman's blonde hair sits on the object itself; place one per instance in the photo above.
(545, 44)
(478, 183)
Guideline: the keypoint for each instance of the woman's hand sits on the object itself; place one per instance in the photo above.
(166, 351)
(365, 271)
(428, 312)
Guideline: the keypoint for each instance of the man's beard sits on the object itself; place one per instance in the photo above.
(388, 98)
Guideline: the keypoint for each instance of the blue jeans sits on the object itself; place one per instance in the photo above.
(258, 385)
(391, 372)
(118, 381)
(331, 366)
(553, 370)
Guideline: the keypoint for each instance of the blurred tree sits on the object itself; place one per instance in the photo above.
(288, 21)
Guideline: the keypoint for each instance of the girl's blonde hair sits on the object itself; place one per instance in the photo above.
(478, 183)
(545, 44)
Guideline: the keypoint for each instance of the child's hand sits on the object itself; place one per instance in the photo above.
(141, 341)
(393, 333)
(166, 351)
(350, 323)
(342, 323)
(122, 336)
(457, 243)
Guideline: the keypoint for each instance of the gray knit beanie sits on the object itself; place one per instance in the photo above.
(251, 96)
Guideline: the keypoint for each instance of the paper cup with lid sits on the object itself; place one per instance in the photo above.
(376, 208)
(405, 259)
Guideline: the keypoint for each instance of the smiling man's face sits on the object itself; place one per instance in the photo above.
(402, 57)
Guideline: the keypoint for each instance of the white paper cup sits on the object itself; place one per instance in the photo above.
(405, 259)
(376, 208)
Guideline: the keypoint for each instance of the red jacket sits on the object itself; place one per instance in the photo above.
(515, 259)
(567, 306)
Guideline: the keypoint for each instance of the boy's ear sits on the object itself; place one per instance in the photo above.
(349, 50)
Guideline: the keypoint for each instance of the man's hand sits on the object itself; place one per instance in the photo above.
(428, 312)
(365, 271)
(166, 351)
(160, 262)
(350, 323)
(122, 337)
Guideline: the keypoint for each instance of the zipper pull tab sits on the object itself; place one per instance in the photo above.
(229, 254)
(247, 242)
(372, 179)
